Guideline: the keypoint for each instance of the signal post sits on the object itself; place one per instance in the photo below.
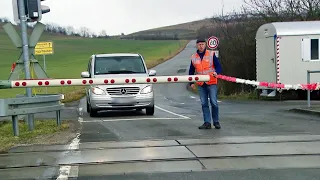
(25, 11)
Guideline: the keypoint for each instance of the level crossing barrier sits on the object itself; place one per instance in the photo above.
(101, 81)
(46, 103)
(5, 84)
(309, 86)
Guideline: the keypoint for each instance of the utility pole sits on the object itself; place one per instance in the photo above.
(25, 50)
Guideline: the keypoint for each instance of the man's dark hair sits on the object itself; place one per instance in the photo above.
(201, 40)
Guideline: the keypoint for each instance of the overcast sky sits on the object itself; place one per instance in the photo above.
(127, 16)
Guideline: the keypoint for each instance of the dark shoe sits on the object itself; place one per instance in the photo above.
(205, 126)
(217, 125)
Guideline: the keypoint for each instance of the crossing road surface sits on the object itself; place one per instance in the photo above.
(258, 140)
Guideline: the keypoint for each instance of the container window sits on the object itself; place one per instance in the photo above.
(310, 49)
(314, 49)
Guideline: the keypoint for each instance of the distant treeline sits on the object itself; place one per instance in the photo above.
(4, 20)
(69, 30)
(86, 32)
(153, 35)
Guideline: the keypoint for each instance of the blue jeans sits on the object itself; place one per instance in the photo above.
(205, 92)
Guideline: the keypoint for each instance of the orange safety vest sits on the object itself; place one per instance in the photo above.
(205, 66)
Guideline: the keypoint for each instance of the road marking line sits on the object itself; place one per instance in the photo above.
(80, 119)
(171, 100)
(131, 119)
(80, 111)
(185, 117)
(65, 170)
(74, 172)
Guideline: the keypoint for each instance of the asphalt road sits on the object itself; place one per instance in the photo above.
(258, 140)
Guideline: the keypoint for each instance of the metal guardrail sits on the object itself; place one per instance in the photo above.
(308, 81)
(30, 105)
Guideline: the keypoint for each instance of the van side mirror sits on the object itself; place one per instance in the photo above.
(85, 74)
(152, 72)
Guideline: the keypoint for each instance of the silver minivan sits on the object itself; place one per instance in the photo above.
(118, 96)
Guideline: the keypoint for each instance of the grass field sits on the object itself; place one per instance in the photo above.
(71, 56)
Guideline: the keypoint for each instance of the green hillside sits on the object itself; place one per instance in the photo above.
(188, 30)
(71, 56)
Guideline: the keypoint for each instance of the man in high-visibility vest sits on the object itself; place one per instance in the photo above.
(206, 62)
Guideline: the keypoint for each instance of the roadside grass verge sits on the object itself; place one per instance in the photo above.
(240, 96)
(42, 127)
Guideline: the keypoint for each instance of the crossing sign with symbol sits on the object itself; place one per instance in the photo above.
(213, 42)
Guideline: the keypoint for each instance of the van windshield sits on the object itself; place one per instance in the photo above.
(119, 65)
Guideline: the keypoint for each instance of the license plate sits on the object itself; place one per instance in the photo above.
(123, 100)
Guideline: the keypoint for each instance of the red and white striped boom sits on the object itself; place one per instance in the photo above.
(106, 81)
(5, 84)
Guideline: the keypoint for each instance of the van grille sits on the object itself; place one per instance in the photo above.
(123, 90)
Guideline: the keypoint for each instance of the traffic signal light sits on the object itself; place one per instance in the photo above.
(33, 10)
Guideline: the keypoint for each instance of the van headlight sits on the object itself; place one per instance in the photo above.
(147, 89)
(98, 91)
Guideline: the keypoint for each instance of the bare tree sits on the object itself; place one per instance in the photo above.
(103, 33)
(84, 31)
(70, 31)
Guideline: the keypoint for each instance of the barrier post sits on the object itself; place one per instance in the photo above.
(15, 125)
(308, 81)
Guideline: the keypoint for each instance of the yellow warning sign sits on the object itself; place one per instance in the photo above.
(43, 48)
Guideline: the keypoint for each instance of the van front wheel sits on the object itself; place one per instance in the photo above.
(150, 110)
(93, 112)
